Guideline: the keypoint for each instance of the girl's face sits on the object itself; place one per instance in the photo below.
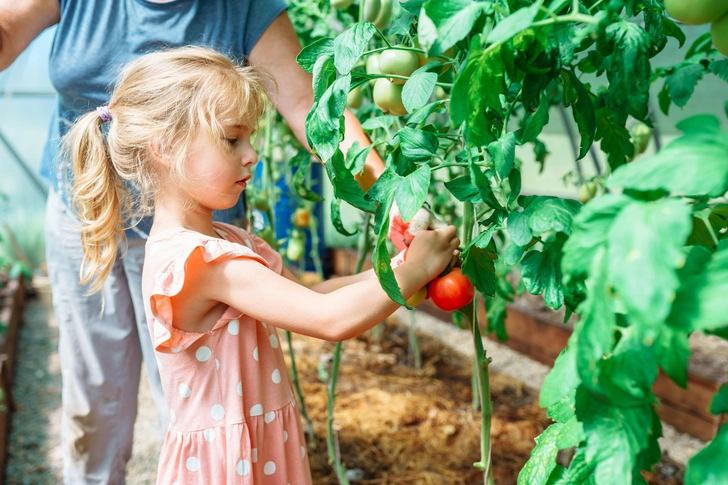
(218, 175)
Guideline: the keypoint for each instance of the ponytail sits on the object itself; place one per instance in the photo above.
(101, 201)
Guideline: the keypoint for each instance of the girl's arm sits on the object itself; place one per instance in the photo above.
(338, 315)
(21, 22)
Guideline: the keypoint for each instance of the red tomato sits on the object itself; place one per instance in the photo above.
(399, 232)
(452, 291)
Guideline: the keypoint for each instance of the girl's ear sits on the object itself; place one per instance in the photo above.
(159, 153)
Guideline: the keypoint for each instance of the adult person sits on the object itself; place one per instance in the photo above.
(101, 346)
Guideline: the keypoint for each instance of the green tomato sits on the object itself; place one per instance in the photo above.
(296, 246)
(341, 4)
(371, 9)
(640, 134)
(388, 96)
(355, 98)
(587, 192)
(261, 204)
(440, 93)
(398, 62)
(719, 32)
(373, 67)
(385, 14)
(696, 12)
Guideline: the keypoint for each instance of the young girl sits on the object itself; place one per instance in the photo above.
(179, 125)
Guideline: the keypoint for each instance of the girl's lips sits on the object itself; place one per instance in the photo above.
(243, 182)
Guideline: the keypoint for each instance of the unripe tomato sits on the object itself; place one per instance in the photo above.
(696, 12)
(385, 14)
(341, 4)
(440, 93)
(587, 192)
(355, 98)
(719, 32)
(452, 291)
(296, 246)
(388, 96)
(418, 297)
(301, 218)
(373, 67)
(422, 59)
(398, 62)
(371, 9)
(640, 134)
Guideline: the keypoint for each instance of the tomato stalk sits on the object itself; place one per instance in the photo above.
(481, 369)
(331, 437)
(299, 392)
(414, 347)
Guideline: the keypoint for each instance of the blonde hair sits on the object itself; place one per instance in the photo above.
(160, 102)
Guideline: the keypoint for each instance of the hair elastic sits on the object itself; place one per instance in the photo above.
(104, 113)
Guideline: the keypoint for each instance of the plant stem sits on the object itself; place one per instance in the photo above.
(299, 392)
(331, 439)
(414, 347)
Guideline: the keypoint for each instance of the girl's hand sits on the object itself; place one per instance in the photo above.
(432, 251)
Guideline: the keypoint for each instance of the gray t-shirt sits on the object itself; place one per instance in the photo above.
(96, 38)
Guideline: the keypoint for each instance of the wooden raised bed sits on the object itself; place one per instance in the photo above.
(537, 332)
(12, 303)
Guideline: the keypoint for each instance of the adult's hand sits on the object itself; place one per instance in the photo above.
(276, 52)
(21, 21)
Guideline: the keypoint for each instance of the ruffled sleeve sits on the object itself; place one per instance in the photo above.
(170, 279)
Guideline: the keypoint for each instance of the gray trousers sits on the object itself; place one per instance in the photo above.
(101, 354)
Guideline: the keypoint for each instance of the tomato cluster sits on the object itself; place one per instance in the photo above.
(699, 12)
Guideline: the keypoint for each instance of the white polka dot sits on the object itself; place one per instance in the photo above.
(255, 354)
(193, 464)
(276, 377)
(269, 417)
(243, 467)
(203, 353)
(217, 364)
(172, 416)
(240, 389)
(285, 435)
(269, 468)
(256, 410)
(274, 341)
(254, 453)
(209, 435)
(234, 326)
(217, 412)
(184, 391)
(303, 452)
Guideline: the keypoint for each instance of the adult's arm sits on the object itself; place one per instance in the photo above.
(21, 21)
(276, 52)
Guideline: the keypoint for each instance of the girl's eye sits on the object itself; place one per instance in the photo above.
(232, 141)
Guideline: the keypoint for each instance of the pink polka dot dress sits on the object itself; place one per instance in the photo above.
(233, 416)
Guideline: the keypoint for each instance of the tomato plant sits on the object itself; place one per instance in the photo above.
(451, 291)
(642, 264)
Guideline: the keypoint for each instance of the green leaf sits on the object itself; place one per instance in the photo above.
(628, 67)
(533, 123)
(356, 157)
(420, 115)
(411, 193)
(386, 184)
(463, 189)
(454, 19)
(547, 214)
(692, 165)
(682, 81)
(614, 137)
(541, 273)
(380, 256)
(700, 303)
(720, 69)
(513, 24)
(514, 184)
(350, 45)
(512, 254)
(620, 380)
(307, 58)
(645, 246)
(701, 123)
(518, 229)
(299, 164)
(542, 461)
(583, 110)
(590, 232)
(719, 404)
(483, 184)
(563, 379)
(417, 145)
(345, 187)
(336, 219)
(615, 437)
(384, 122)
(324, 74)
(503, 152)
(324, 123)
(418, 89)
(673, 350)
(709, 466)
(478, 262)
